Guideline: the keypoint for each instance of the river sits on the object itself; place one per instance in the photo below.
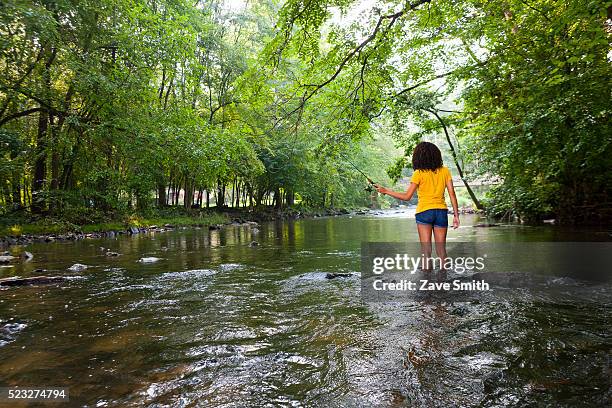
(216, 322)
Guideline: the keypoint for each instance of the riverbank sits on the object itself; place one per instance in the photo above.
(24, 231)
(27, 230)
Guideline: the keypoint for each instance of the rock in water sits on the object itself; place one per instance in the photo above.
(253, 244)
(334, 275)
(149, 259)
(33, 280)
(4, 259)
(110, 253)
(27, 256)
(78, 267)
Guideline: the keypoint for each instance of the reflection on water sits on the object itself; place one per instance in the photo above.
(218, 323)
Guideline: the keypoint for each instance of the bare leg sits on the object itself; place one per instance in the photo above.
(440, 239)
(425, 238)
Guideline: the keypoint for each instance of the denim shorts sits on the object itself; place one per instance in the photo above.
(436, 217)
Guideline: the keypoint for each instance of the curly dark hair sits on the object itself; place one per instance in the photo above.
(426, 156)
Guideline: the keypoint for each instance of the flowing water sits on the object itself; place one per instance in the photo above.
(216, 322)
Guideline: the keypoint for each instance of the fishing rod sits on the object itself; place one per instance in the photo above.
(357, 168)
(370, 181)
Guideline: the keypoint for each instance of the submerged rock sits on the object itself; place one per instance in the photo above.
(485, 225)
(7, 258)
(78, 267)
(149, 259)
(32, 280)
(110, 253)
(334, 275)
(4, 259)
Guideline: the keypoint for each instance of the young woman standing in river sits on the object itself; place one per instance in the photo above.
(431, 178)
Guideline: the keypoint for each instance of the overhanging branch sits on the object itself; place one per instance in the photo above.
(392, 18)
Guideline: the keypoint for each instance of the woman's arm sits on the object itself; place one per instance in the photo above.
(402, 196)
(453, 197)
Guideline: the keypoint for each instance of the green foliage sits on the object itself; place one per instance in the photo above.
(540, 110)
(395, 171)
(113, 107)
(527, 85)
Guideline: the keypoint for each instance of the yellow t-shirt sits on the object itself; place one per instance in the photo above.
(432, 184)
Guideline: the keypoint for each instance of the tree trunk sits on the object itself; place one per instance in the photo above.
(290, 198)
(477, 202)
(220, 195)
(161, 195)
(66, 179)
(236, 202)
(278, 199)
(16, 186)
(15, 195)
(54, 155)
(188, 196)
(177, 190)
(259, 197)
(40, 163)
